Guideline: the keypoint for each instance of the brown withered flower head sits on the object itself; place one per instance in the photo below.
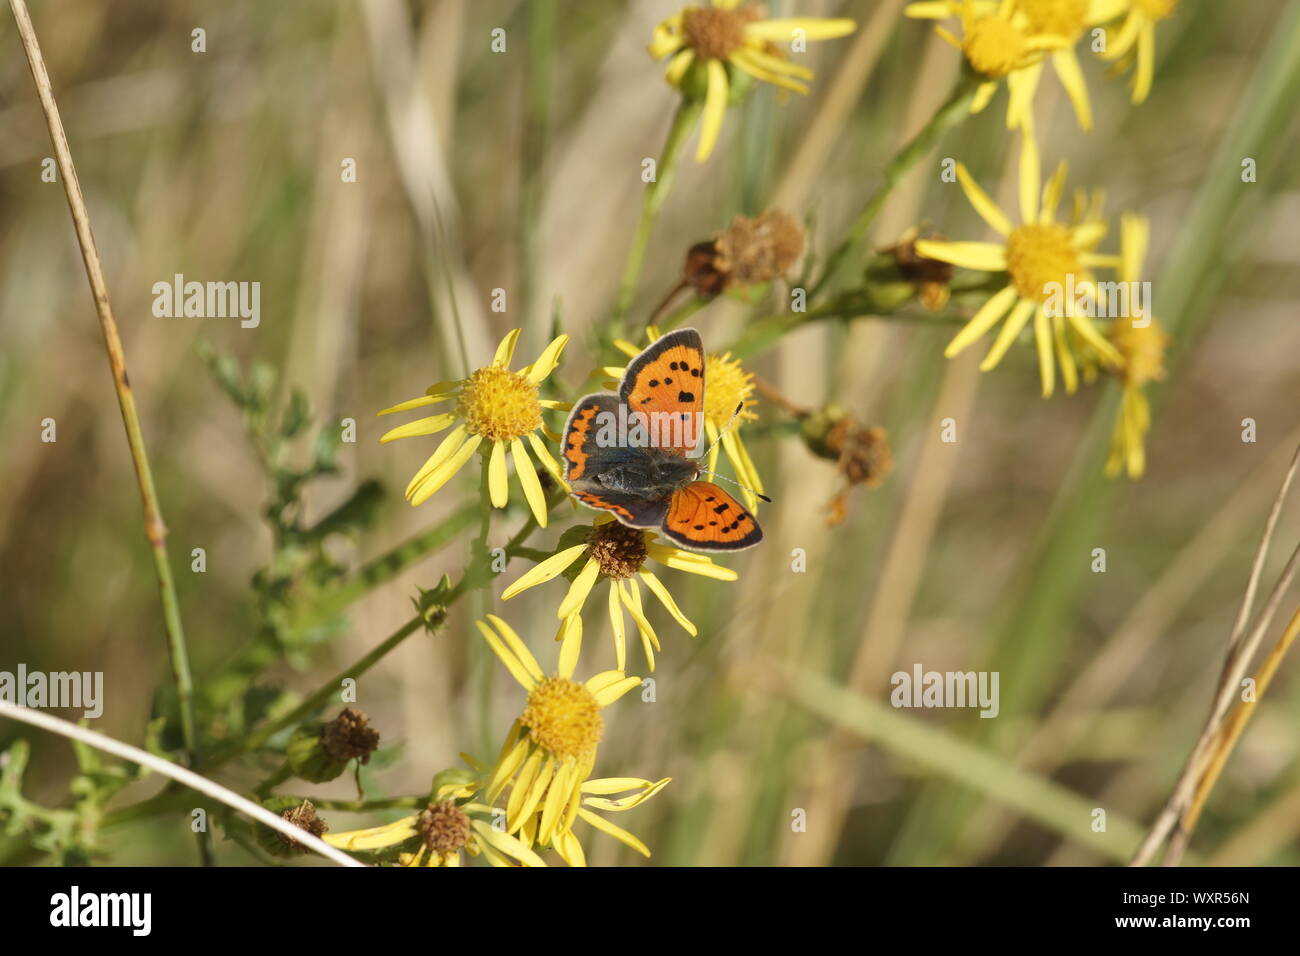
(444, 827)
(304, 817)
(861, 453)
(929, 277)
(750, 251)
(350, 735)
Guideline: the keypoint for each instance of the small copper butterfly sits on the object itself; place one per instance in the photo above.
(628, 453)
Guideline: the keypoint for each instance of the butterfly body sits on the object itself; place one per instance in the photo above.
(629, 453)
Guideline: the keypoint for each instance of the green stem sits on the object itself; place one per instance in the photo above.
(953, 111)
(317, 700)
(388, 565)
(880, 301)
(154, 528)
(655, 194)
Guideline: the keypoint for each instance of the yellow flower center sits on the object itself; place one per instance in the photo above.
(499, 404)
(715, 33)
(994, 46)
(1157, 9)
(1143, 348)
(563, 717)
(727, 385)
(1038, 255)
(1065, 18)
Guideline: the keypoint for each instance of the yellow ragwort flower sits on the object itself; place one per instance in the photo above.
(444, 829)
(999, 41)
(727, 387)
(618, 553)
(550, 749)
(1141, 343)
(1042, 258)
(496, 405)
(1137, 35)
(727, 36)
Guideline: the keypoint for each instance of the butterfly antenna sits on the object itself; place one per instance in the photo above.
(713, 474)
(756, 494)
(725, 428)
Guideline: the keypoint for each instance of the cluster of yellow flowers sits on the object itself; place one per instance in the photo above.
(541, 784)
(1049, 263)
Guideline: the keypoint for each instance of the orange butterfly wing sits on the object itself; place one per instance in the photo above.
(666, 383)
(703, 517)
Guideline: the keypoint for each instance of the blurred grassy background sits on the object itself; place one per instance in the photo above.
(225, 165)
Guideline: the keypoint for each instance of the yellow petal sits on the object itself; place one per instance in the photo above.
(985, 206)
(519, 648)
(420, 402)
(547, 361)
(1123, 40)
(1021, 87)
(1071, 77)
(617, 832)
(1089, 332)
(715, 108)
(658, 590)
(544, 456)
(645, 791)
(928, 10)
(507, 844)
(448, 447)
(678, 65)
(1064, 357)
(421, 426)
(788, 29)
(1146, 62)
(667, 37)
(1043, 338)
(557, 798)
(604, 786)
(607, 695)
(570, 850)
(1010, 329)
(598, 682)
(506, 767)
(570, 645)
(1052, 192)
(987, 317)
(982, 256)
(673, 558)
(983, 93)
(389, 834)
(443, 473)
(506, 349)
(616, 623)
(517, 669)
(579, 589)
(545, 570)
(527, 476)
(498, 488)
(1134, 234)
(757, 65)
